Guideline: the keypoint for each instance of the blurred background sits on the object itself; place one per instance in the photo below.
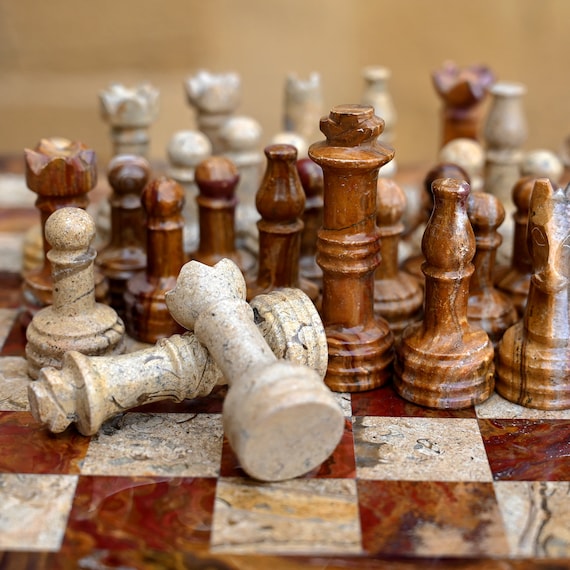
(56, 56)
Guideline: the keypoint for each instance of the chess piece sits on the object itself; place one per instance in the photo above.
(147, 316)
(462, 91)
(311, 177)
(217, 178)
(75, 321)
(377, 95)
(33, 249)
(61, 173)
(125, 254)
(88, 390)
(398, 297)
(487, 307)
(280, 201)
(215, 98)
(443, 361)
(279, 417)
(303, 106)
(469, 155)
(348, 248)
(292, 139)
(565, 152)
(534, 354)
(129, 111)
(186, 150)
(241, 137)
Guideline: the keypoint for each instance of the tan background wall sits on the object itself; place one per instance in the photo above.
(55, 56)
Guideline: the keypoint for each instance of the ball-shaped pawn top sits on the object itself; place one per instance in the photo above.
(241, 134)
(311, 176)
(128, 174)
(188, 148)
(70, 229)
(485, 211)
(162, 198)
(468, 154)
(390, 202)
(217, 177)
(542, 164)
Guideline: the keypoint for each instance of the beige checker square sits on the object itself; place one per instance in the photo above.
(14, 382)
(536, 515)
(419, 449)
(173, 445)
(496, 407)
(309, 516)
(34, 510)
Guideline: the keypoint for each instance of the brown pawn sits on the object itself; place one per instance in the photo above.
(348, 248)
(280, 201)
(413, 265)
(125, 254)
(515, 281)
(217, 178)
(488, 308)
(443, 361)
(534, 355)
(398, 297)
(311, 176)
(147, 316)
(61, 173)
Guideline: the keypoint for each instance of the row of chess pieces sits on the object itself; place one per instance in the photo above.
(374, 319)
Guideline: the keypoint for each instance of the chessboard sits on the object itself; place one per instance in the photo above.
(159, 487)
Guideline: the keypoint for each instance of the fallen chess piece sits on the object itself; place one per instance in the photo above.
(90, 390)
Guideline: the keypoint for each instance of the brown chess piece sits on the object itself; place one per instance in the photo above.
(487, 307)
(217, 178)
(125, 254)
(147, 316)
(61, 173)
(443, 361)
(462, 91)
(348, 248)
(398, 297)
(534, 354)
(311, 176)
(413, 265)
(280, 201)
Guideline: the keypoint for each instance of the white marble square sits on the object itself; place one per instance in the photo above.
(419, 449)
(34, 510)
(14, 381)
(173, 445)
(496, 407)
(301, 516)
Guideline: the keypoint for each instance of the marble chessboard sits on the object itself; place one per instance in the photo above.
(159, 487)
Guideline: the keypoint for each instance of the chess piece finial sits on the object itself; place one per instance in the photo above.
(61, 172)
(280, 201)
(280, 418)
(532, 366)
(311, 177)
(348, 248)
(398, 297)
(377, 95)
(215, 97)
(303, 105)
(443, 361)
(88, 390)
(125, 253)
(462, 90)
(75, 321)
(147, 316)
(488, 307)
(129, 111)
(469, 155)
(542, 163)
(217, 178)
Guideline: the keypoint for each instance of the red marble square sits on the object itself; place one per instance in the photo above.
(10, 289)
(527, 450)
(423, 518)
(386, 402)
(340, 465)
(27, 447)
(137, 513)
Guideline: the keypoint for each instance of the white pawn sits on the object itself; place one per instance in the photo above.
(293, 139)
(469, 155)
(303, 106)
(187, 149)
(75, 321)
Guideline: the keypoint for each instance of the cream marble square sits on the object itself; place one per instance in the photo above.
(14, 382)
(34, 510)
(419, 449)
(173, 445)
(496, 407)
(536, 516)
(310, 516)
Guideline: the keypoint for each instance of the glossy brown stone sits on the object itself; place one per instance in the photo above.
(534, 355)
(125, 254)
(348, 248)
(146, 316)
(443, 361)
